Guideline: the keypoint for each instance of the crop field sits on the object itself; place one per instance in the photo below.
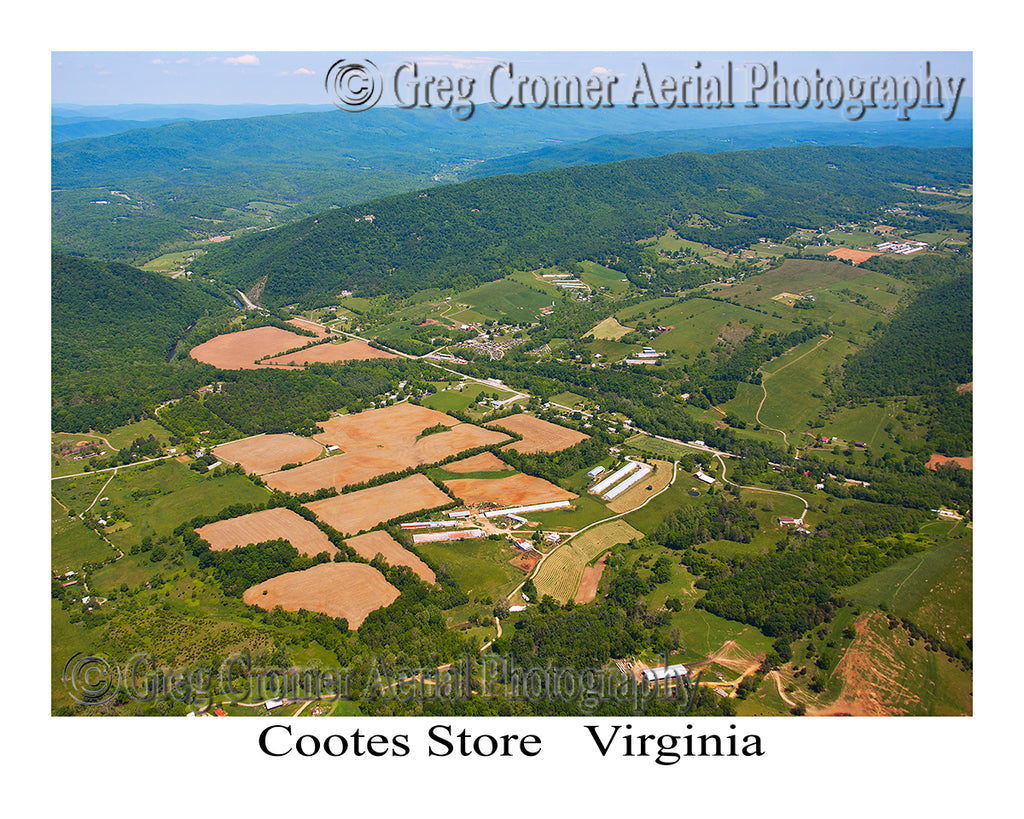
(312, 326)
(328, 354)
(591, 579)
(357, 511)
(268, 453)
(381, 543)
(511, 491)
(268, 524)
(484, 462)
(937, 460)
(560, 574)
(855, 256)
(538, 435)
(239, 351)
(381, 441)
(349, 590)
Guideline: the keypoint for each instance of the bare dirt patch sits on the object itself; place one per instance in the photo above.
(268, 453)
(870, 672)
(357, 511)
(484, 462)
(515, 490)
(381, 441)
(239, 351)
(525, 561)
(373, 543)
(269, 524)
(937, 460)
(538, 435)
(855, 256)
(349, 590)
(328, 354)
(590, 581)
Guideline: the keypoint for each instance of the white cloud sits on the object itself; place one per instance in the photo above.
(245, 59)
(600, 69)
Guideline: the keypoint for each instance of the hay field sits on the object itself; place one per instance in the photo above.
(561, 573)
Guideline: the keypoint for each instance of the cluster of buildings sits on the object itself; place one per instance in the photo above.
(620, 480)
(904, 248)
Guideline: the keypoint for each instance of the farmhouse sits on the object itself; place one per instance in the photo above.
(788, 521)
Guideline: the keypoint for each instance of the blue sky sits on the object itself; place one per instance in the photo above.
(297, 77)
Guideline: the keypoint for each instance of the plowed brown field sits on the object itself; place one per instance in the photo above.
(511, 491)
(239, 351)
(268, 453)
(538, 435)
(373, 543)
(268, 524)
(484, 462)
(349, 590)
(357, 511)
(329, 354)
(380, 441)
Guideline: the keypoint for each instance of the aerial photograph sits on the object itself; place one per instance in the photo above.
(524, 384)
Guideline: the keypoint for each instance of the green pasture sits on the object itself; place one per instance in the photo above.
(123, 436)
(506, 300)
(598, 277)
(795, 382)
(480, 566)
(462, 399)
(73, 544)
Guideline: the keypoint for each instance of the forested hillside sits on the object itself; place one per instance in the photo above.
(113, 329)
(480, 230)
